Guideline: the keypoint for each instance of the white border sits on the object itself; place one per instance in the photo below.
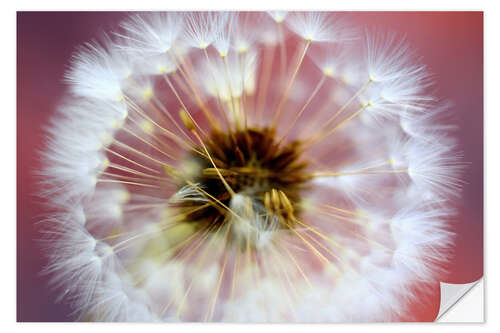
(364, 5)
(8, 135)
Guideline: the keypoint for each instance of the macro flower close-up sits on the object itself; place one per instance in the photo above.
(248, 167)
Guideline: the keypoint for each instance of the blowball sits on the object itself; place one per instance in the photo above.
(247, 167)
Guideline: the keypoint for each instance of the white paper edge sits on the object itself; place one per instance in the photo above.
(462, 302)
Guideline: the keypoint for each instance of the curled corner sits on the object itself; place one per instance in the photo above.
(461, 302)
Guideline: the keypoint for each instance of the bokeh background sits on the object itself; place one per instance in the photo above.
(450, 42)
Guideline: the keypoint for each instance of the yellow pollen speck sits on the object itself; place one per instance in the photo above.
(309, 38)
(372, 78)
(186, 120)
(203, 45)
(118, 123)
(148, 93)
(106, 138)
(147, 126)
(362, 212)
(162, 70)
(190, 168)
(328, 71)
(307, 204)
(105, 163)
(118, 211)
(223, 54)
(124, 196)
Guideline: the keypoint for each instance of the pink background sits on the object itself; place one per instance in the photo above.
(450, 42)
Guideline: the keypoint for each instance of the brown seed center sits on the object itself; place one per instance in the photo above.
(270, 175)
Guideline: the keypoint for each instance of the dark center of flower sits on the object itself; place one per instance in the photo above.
(268, 178)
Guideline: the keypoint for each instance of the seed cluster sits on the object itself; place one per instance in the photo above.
(254, 164)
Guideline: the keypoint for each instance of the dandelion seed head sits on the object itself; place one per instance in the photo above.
(220, 166)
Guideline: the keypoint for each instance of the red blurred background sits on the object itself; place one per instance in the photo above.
(450, 42)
